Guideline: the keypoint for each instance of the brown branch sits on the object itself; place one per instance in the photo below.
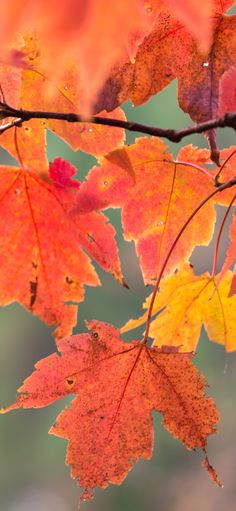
(228, 120)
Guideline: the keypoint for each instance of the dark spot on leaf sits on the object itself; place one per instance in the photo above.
(33, 291)
(70, 381)
(90, 238)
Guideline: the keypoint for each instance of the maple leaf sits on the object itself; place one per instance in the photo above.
(167, 53)
(83, 32)
(42, 262)
(77, 31)
(64, 95)
(184, 304)
(109, 423)
(46, 94)
(156, 198)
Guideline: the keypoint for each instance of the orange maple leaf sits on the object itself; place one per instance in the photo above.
(157, 195)
(109, 423)
(42, 264)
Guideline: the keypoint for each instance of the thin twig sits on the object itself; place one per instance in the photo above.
(228, 120)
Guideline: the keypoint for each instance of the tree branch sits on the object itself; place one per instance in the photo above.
(228, 120)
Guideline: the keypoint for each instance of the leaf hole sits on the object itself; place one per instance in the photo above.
(70, 382)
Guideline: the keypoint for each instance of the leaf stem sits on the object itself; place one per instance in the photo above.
(188, 164)
(222, 167)
(219, 236)
(18, 149)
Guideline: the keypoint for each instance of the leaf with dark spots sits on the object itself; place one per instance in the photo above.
(168, 52)
(118, 385)
(40, 229)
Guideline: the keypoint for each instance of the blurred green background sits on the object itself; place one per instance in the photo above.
(33, 475)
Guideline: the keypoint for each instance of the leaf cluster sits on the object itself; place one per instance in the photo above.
(53, 226)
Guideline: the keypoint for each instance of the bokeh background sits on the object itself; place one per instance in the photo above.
(33, 474)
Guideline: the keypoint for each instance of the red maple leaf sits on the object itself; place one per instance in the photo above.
(42, 264)
(118, 386)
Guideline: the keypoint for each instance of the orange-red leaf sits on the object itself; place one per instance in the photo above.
(155, 204)
(40, 92)
(94, 34)
(194, 16)
(89, 33)
(119, 385)
(169, 52)
(42, 264)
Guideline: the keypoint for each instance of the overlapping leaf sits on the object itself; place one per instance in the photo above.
(89, 33)
(109, 424)
(157, 196)
(41, 92)
(169, 52)
(42, 263)
(185, 303)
